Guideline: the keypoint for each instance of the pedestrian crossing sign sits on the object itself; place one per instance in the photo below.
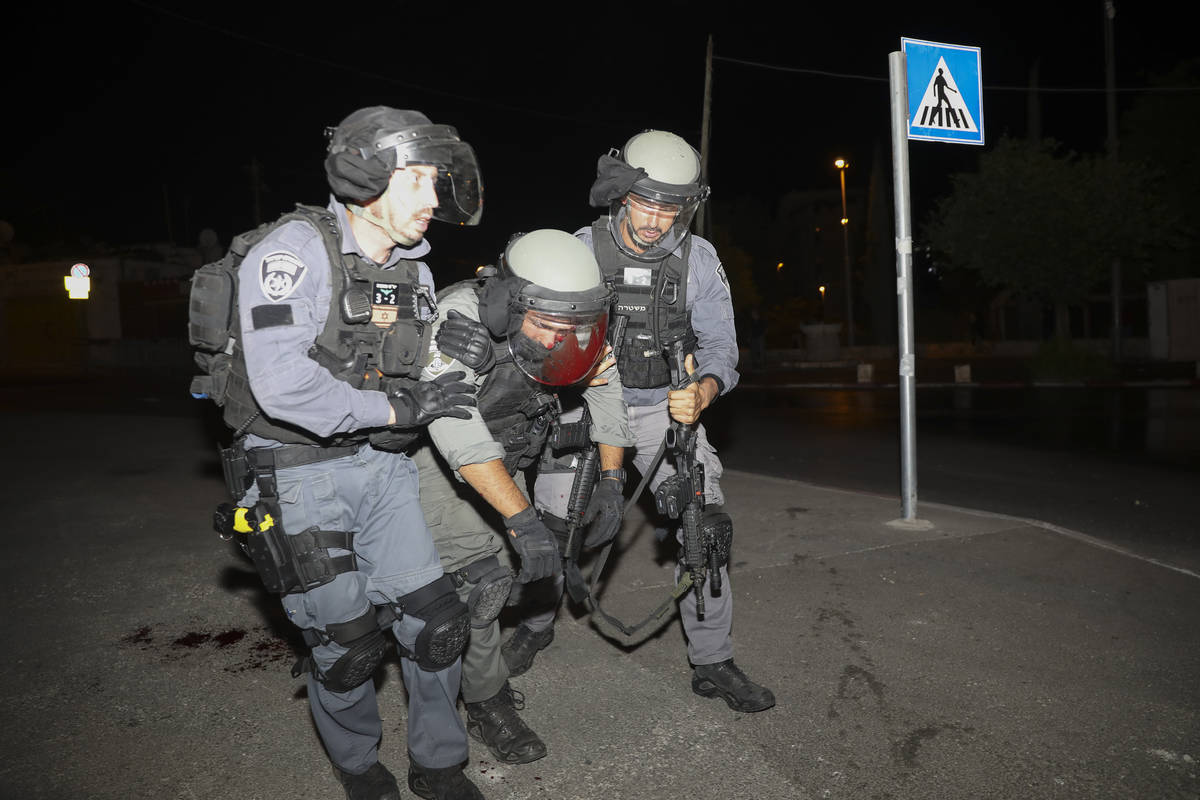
(945, 92)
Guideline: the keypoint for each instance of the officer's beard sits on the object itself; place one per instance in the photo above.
(635, 240)
(396, 236)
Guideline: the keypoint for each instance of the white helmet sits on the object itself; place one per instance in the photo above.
(651, 217)
(557, 306)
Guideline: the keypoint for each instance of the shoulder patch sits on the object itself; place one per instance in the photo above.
(279, 274)
(437, 363)
(724, 280)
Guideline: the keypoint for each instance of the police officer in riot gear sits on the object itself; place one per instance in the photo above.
(672, 288)
(541, 320)
(335, 313)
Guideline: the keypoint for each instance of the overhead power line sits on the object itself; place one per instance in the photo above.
(883, 79)
(354, 70)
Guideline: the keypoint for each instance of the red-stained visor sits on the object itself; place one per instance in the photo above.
(557, 349)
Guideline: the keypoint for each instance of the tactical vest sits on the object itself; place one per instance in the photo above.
(653, 296)
(373, 337)
(518, 411)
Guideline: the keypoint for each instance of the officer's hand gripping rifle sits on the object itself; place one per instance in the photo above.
(679, 497)
(587, 472)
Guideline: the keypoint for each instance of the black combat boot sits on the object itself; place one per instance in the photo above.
(447, 783)
(522, 646)
(726, 681)
(377, 783)
(495, 722)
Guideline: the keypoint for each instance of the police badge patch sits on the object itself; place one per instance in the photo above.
(437, 363)
(279, 275)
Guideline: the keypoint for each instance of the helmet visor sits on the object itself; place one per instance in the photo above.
(459, 187)
(649, 229)
(459, 184)
(559, 348)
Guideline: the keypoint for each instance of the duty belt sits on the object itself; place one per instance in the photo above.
(296, 455)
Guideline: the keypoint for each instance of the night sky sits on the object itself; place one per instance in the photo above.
(132, 122)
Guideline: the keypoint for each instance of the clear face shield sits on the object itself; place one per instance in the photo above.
(458, 184)
(648, 227)
(557, 348)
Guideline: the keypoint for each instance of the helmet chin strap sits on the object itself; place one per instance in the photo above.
(373, 218)
(633, 237)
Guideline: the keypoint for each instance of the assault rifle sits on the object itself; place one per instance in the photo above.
(587, 472)
(705, 541)
(681, 496)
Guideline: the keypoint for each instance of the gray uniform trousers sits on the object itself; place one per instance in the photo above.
(709, 639)
(373, 494)
(454, 513)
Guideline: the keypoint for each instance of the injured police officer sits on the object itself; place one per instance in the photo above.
(540, 324)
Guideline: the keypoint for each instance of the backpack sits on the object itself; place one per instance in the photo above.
(213, 322)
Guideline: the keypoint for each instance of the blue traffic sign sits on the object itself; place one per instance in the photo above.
(945, 92)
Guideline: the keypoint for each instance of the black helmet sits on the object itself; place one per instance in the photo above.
(371, 143)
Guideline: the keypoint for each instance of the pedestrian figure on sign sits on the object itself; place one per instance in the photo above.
(940, 86)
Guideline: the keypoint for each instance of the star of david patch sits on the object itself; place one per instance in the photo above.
(279, 274)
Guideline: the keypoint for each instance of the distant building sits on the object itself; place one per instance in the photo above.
(135, 315)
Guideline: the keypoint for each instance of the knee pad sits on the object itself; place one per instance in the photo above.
(365, 648)
(447, 623)
(357, 664)
(716, 528)
(492, 582)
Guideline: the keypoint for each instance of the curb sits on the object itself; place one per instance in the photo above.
(1146, 384)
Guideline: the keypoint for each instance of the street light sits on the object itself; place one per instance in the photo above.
(841, 165)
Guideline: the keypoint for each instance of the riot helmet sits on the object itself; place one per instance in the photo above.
(371, 143)
(652, 188)
(556, 306)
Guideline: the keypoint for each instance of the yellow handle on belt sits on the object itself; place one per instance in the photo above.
(243, 525)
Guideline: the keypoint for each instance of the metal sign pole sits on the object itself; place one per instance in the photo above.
(898, 77)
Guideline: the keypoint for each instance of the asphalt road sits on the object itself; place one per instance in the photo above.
(1120, 464)
(982, 657)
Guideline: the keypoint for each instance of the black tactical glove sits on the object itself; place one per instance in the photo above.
(536, 546)
(423, 402)
(604, 513)
(468, 341)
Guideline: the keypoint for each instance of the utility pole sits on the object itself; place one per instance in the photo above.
(1110, 80)
(702, 221)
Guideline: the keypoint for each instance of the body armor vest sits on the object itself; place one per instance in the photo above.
(374, 338)
(653, 296)
(519, 412)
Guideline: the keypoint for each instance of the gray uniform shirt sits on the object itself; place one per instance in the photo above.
(468, 441)
(288, 274)
(710, 306)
